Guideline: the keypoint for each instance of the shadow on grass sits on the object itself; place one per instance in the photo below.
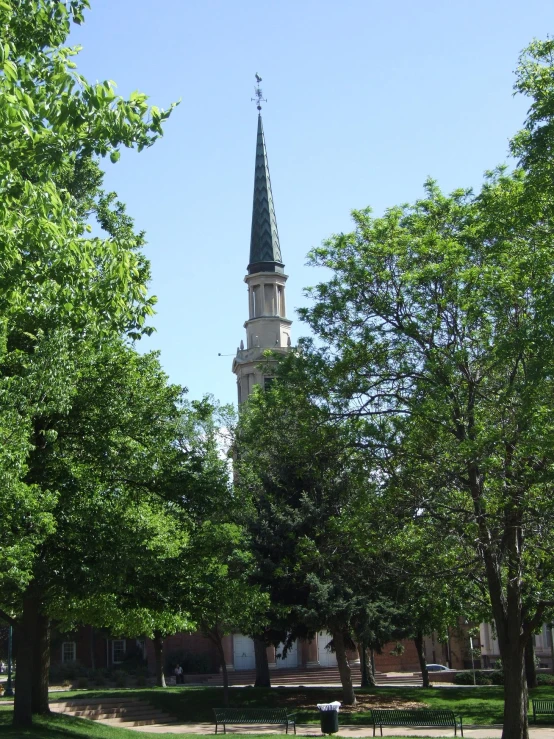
(61, 727)
(481, 705)
(190, 704)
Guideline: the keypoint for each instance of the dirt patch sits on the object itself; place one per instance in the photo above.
(367, 702)
(307, 701)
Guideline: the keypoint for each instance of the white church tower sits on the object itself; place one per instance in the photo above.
(267, 326)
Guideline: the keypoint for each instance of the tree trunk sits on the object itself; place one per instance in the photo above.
(515, 692)
(25, 635)
(552, 646)
(263, 678)
(364, 682)
(368, 676)
(530, 666)
(159, 656)
(418, 641)
(92, 649)
(217, 639)
(41, 666)
(348, 695)
(505, 591)
(372, 663)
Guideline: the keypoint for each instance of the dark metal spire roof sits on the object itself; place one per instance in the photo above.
(265, 252)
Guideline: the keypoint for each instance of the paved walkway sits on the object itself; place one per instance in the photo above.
(474, 732)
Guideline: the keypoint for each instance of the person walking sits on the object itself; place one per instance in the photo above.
(179, 677)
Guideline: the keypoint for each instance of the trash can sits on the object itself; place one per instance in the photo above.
(329, 715)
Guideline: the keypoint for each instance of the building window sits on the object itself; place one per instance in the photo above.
(69, 651)
(118, 650)
(268, 381)
(257, 306)
(280, 301)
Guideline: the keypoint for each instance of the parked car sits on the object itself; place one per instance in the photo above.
(438, 668)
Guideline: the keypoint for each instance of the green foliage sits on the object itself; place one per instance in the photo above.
(544, 679)
(436, 338)
(481, 678)
(58, 284)
(312, 517)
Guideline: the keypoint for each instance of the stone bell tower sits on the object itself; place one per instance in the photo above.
(267, 326)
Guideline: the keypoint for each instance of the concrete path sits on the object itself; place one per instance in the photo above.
(473, 732)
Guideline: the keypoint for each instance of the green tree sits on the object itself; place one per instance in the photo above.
(112, 462)
(438, 325)
(62, 291)
(57, 283)
(222, 599)
(309, 520)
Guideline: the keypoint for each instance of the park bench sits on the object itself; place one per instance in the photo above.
(253, 716)
(422, 717)
(542, 708)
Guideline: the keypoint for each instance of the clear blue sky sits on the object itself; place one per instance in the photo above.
(365, 99)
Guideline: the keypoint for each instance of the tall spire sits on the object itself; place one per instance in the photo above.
(267, 326)
(265, 251)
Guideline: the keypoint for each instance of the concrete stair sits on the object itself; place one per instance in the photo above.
(114, 711)
(314, 676)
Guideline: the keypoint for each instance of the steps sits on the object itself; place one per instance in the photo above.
(114, 711)
(315, 676)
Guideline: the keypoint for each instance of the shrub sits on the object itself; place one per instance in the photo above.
(56, 674)
(466, 678)
(141, 681)
(544, 679)
(120, 678)
(463, 678)
(82, 683)
(69, 671)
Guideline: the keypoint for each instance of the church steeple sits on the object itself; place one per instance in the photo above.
(267, 326)
(265, 250)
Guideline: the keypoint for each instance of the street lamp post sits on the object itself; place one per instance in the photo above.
(9, 689)
(472, 658)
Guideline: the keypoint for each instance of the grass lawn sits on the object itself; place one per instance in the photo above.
(480, 705)
(67, 727)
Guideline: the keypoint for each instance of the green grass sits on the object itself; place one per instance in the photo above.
(480, 705)
(67, 727)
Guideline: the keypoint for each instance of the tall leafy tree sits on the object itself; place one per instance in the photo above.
(308, 490)
(438, 324)
(62, 291)
(114, 469)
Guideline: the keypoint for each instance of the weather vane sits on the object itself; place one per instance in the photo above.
(258, 93)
